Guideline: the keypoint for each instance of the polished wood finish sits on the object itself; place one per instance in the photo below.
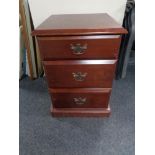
(100, 73)
(79, 24)
(93, 98)
(80, 112)
(98, 47)
(79, 54)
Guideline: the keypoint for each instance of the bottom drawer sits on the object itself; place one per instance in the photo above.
(80, 97)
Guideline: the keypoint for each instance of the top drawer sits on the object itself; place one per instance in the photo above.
(79, 47)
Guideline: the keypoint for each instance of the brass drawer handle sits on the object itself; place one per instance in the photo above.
(80, 100)
(78, 49)
(79, 76)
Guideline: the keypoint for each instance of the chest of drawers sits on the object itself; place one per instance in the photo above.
(79, 53)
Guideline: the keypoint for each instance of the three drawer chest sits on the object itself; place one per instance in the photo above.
(79, 54)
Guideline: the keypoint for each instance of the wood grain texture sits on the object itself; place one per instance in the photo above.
(100, 73)
(93, 98)
(98, 47)
(79, 24)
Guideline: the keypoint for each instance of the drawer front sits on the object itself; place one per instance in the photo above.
(80, 97)
(79, 47)
(80, 73)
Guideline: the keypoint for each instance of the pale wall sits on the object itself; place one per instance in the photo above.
(41, 9)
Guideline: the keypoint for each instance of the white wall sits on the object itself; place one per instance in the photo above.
(41, 9)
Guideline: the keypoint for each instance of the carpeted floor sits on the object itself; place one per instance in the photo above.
(40, 134)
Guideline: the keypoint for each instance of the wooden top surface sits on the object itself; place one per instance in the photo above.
(79, 24)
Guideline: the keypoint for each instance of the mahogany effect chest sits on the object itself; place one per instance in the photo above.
(79, 53)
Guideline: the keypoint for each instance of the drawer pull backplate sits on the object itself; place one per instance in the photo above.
(80, 100)
(79, 76)
(78, 49)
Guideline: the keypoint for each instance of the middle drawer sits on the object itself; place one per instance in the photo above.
(80, 73)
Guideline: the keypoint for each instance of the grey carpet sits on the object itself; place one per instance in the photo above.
(40, 134)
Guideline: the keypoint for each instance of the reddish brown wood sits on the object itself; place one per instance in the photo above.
(80, 112)
(94, 98)
(100, 73)
(98, 47)
(79, 24)
(85, 78)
